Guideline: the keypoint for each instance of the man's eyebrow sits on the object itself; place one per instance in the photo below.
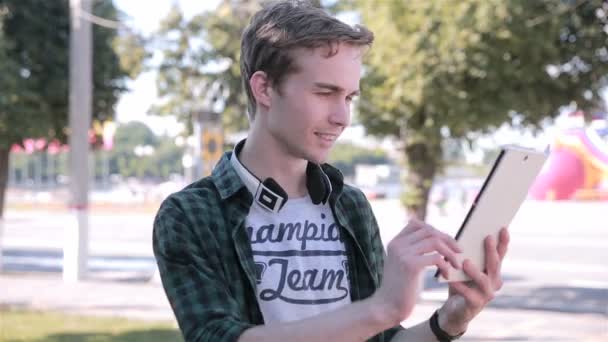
(333, 87)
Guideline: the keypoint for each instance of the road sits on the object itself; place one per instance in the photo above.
(554, 244)
(556, 270)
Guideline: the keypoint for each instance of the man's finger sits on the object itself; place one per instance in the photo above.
(481, 279)
(417, 230)
(419, 235)
(503, 242)
(492, 257)
(470, 294)
(412, 226)
(450, 241)
(435, 259)
(434, 244)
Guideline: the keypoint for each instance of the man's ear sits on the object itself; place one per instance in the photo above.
(260, 87)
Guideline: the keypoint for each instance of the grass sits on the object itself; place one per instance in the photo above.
(17, 326)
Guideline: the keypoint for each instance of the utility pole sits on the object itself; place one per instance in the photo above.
(75, 248)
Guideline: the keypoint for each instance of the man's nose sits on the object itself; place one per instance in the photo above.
(340, 115)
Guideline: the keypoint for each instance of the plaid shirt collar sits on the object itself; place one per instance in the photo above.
(225, 178)
(228, 183)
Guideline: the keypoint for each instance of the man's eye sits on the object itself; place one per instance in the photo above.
(324, 94)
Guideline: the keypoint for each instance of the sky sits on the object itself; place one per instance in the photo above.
(145, 16)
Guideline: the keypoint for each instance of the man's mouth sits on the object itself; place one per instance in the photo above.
(327, 136)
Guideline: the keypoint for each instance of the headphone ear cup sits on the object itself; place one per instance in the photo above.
(317, 183)
(276, 188)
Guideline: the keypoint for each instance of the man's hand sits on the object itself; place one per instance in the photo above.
(416, 247)
(467, 299)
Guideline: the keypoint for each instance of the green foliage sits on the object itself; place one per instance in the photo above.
(34, 64)
(131, 51)
(438, 70)
(123, 159)
(167, 159)
(34, 60)
(134, 133)
(472, 65)
(450, 69)
(160, 157)
(199, 52)
(346, 156)
(196, 53)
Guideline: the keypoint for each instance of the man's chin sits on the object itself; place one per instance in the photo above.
(318, 159)
(315, 155)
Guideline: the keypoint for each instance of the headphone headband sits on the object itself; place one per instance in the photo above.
(270, 195)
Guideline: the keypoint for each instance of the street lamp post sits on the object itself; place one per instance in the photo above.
(75, 249)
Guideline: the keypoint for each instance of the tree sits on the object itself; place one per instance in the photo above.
(168, 158)
(138, 152)
(129, 138)
(346, 156)
(453, 69)
(199, 52)
(34, 41)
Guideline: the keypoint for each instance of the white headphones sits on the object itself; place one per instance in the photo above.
(270, 195)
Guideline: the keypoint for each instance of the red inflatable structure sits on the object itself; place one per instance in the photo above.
(577, 167)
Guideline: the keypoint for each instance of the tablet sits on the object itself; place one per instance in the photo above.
(503, 191)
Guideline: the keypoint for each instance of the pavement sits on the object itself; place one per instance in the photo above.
(561, 296)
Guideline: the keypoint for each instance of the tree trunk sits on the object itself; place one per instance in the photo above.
(423, 160)
(4, 153)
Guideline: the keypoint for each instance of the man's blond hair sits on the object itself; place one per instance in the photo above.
(279, 28)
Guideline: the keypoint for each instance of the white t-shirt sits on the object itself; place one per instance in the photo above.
(300, 259)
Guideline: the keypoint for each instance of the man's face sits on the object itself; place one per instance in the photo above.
(312, 105)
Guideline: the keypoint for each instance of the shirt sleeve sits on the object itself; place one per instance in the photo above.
(193, 281)
(378, 262)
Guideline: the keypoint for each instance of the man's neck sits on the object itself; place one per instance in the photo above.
(263, 156)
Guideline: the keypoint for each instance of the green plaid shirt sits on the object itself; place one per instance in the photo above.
(206, 264)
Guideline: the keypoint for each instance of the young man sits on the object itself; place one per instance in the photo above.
(273, 246)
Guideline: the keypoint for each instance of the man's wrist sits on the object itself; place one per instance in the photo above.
(450, 326)
(382, 313)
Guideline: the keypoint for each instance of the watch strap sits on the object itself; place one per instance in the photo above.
(439, 333)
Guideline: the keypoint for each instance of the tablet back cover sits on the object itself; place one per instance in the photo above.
(501, 196)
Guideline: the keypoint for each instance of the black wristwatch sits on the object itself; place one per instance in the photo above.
(441, 335)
